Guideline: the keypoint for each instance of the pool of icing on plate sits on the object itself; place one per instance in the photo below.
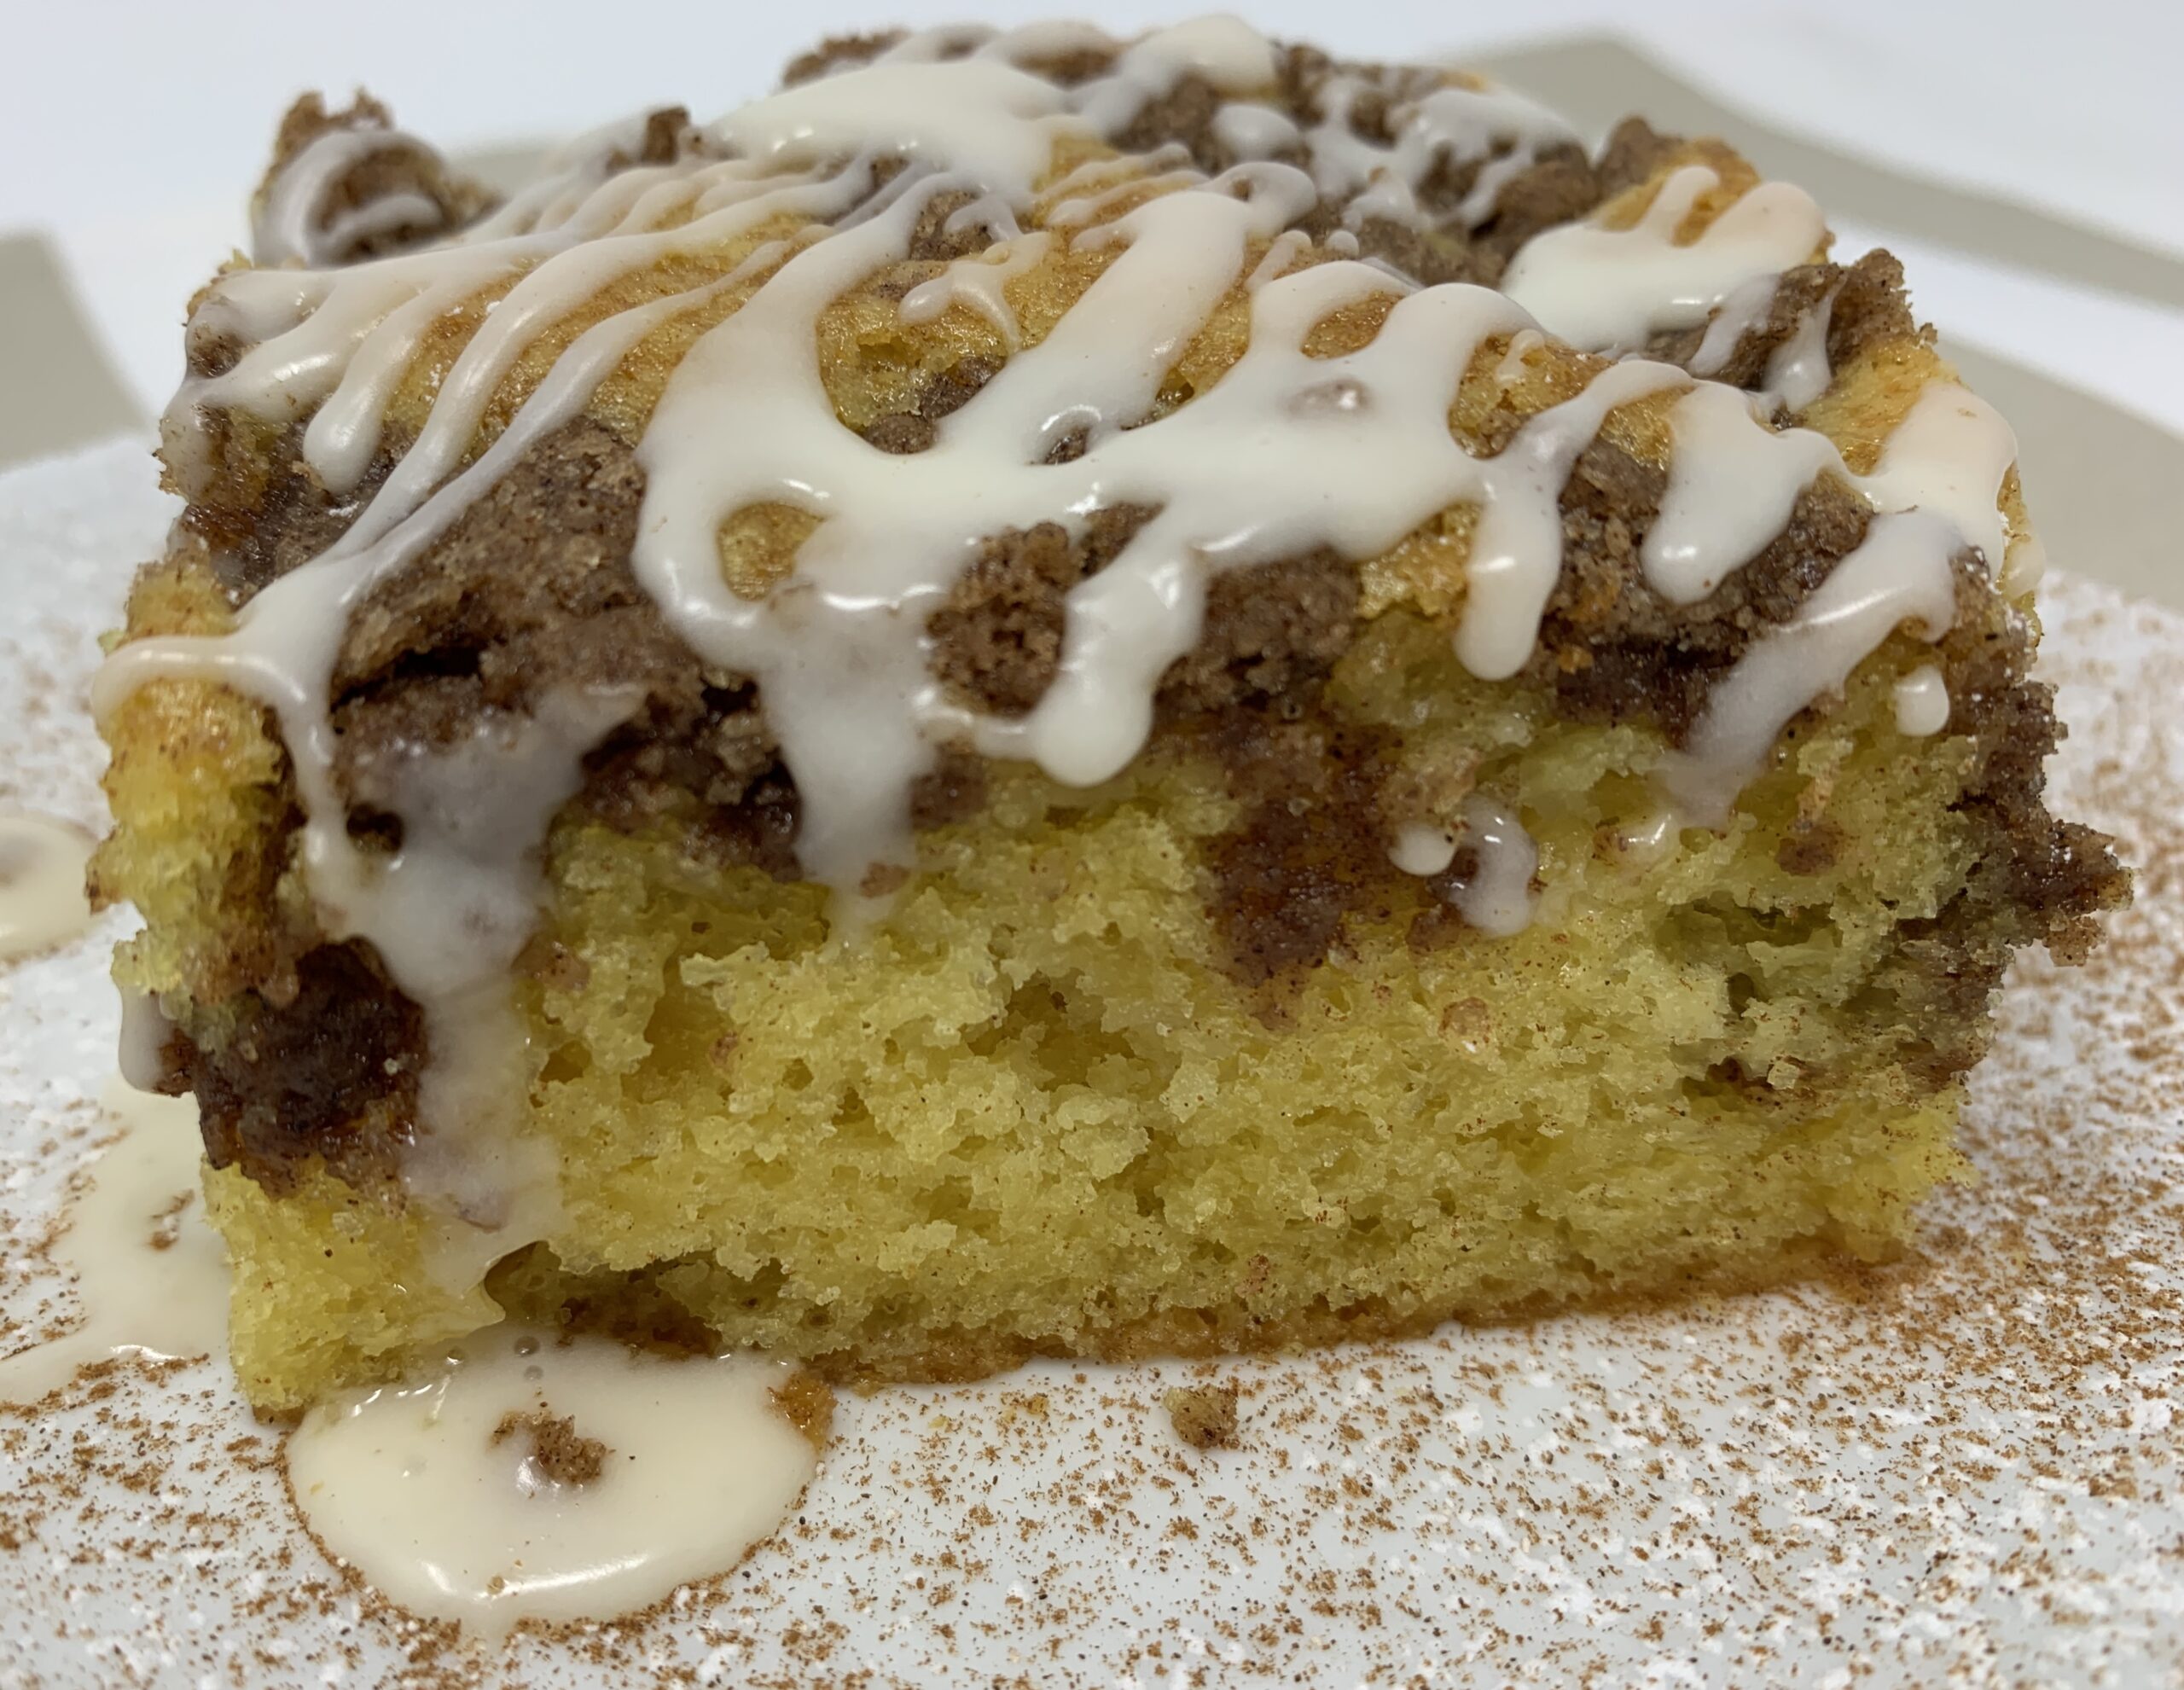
(520, 1475)
(42, 900)
(525, 1476)
(149, 1268)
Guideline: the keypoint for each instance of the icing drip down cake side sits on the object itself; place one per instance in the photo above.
(1047, 694)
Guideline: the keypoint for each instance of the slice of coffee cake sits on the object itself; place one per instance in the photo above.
(1054, 695)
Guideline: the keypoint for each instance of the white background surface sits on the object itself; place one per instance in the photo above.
(134, 128)
(127, 105)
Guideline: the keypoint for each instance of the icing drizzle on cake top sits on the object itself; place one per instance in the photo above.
(1286, 453)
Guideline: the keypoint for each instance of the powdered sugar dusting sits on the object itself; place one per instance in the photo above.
(1965, 1465)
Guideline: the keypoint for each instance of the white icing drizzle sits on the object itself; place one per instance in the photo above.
(1516, 548)
(341, 340)
(1744, 310)
(980, 108)
(1522, 344)
(1422, 849)
(1731, 483)
(1076, 212)
(1453, 122)
(1284, 454)
(449, 909)
(2026, 565)
(980, 284)
(588, 179)
(409, 1484)
(829, 648)
(1287, 248)
(1922, 705)
(293, 225)
(1798, 370)
(1949, 455)
(42, 901)
(1651, 838)
(145, 1029)
(339, 448)
(1497, 898)
(1220, 49)
(1253, 131)
(1611, 289)
(148, 1267)
(1901, 573)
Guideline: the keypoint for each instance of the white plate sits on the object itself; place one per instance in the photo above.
(1966, 1466)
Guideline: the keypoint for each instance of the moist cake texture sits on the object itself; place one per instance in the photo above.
(1053, 695)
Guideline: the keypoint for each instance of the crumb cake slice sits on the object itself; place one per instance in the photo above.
(1053, 695)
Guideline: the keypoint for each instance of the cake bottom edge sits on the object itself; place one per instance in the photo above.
(293, 1349)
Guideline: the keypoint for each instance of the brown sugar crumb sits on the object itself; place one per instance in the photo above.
(997, 641)
(1864, 303)
(1268, 630)
(903, 433)
(807, 1402)
(1308, 856)
(324, 1070)
(558, 1450)
(1204, 1415)
(1635, 151)
(838, 53)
